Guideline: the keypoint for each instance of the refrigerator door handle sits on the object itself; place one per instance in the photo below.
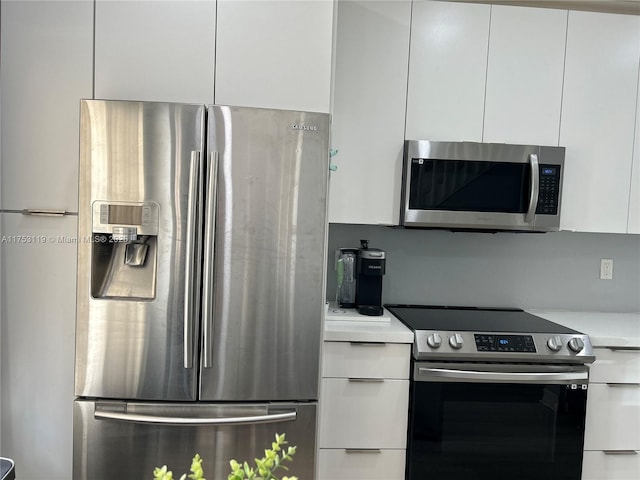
(190, 259)
(209, 239)
(163, 420)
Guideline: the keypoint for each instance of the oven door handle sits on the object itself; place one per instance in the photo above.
(431, 373)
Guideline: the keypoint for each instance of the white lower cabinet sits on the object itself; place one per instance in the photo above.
(612, 431)
(613, 417)
(610, 466)
(356, 464)
(364, 403)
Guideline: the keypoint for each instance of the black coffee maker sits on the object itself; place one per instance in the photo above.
(370, 269)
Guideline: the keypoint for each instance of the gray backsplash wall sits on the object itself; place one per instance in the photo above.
(552, 270)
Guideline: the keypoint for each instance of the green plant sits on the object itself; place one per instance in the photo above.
(265, 466)
(161, 473)
(273, 460)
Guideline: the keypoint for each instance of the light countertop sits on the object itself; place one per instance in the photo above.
(350, 326)
(604, 329)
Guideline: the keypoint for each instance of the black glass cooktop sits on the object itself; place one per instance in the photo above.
(471, 319)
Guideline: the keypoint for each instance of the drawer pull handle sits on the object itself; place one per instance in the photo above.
(366, 380)
(620, 452)
(622, 349)
(362, 450)
(623, 384)
(368, 344)
(42, 212)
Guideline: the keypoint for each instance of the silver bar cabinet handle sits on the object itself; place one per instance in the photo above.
(622, 385)
(524, 377)
(209, 239)
(42, 212)
(622, 349)
(162, 420)
(368, 344)
(190, 259)
(366, 380)
(362, 450)
(535, 186)
(620, 452)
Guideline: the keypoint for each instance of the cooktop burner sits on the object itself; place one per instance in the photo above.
(472, 319)
(454, 333)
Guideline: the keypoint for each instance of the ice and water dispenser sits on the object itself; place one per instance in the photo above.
(124, 256)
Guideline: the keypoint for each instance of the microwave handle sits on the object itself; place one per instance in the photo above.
(535, 186)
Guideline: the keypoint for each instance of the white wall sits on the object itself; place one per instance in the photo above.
(552, 270)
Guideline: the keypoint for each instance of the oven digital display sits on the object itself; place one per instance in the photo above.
(505, 343)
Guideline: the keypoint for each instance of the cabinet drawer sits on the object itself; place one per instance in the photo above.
(619, 366)
(363, 414)
(368, 360)
(620, 466)
(613, 416)
(361, 464)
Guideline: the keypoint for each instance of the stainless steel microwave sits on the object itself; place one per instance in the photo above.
(482, 186)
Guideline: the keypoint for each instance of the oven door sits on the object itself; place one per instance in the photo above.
(496, 421)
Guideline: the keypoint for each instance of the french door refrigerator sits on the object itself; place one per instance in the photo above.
(201, 254)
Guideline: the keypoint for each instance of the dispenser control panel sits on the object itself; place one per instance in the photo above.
(122, 218)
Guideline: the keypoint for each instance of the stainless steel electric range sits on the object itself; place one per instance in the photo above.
(496, 394)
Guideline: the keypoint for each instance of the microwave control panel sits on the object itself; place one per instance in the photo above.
(549, 190)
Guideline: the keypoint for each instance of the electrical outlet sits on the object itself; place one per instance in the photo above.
(606, 268)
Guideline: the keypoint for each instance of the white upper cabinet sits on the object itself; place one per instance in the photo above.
(155, 50)
(369, 96)
(274, 54)
(524, 75)
(598, 114)
(45, 69)
(447, 71)
(633, 224)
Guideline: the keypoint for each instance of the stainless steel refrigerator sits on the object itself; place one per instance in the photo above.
(201, 247)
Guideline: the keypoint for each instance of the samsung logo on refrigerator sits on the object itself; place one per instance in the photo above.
(310, 128)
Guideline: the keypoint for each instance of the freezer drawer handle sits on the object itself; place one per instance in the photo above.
(160, 420)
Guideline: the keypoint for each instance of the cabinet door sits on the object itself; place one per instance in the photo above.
(633, 224)
(274, 54)
(373, 464)
(447, 71)
(366, 360)
(598, 114)
(613, 416)
(524, 75)
(155, 50)
(370, 86)
(611, 466)
(46, 51)
(38, 321)
(363, 413)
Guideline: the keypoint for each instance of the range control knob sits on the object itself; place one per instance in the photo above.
(554, 344)
(456, 341)
(576, 344)
(434, 340)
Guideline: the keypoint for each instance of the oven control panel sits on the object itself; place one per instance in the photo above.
(504, 343)
(502, 346)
